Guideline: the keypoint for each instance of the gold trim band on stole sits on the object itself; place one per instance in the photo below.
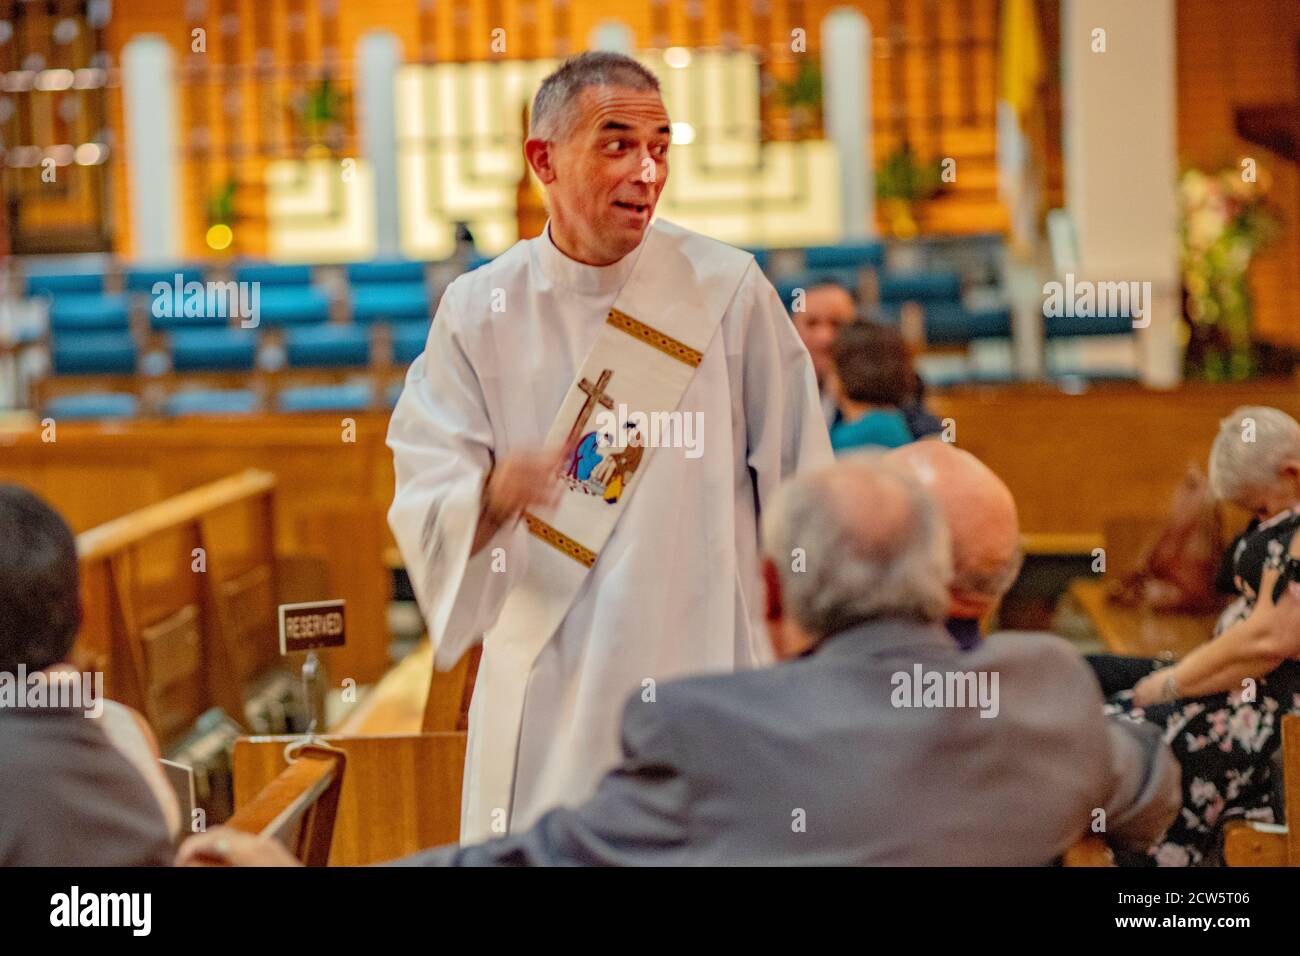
(655, 339)
(560, 541)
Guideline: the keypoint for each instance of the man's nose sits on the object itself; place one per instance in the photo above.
(644, 169)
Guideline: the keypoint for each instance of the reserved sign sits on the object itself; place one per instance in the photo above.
(311, 624)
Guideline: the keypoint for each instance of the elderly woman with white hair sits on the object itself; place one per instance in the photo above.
(1221, 705)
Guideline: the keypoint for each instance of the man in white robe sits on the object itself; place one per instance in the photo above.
(676, 588)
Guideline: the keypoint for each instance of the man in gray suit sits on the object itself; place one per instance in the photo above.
(875, 741)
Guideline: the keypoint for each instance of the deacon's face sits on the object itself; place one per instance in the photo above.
(827, 309)
(610, 171)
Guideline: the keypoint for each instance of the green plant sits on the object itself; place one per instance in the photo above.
(1224, 220)
(805, 90)
(221, 204)
(903, 177)
(319, 109)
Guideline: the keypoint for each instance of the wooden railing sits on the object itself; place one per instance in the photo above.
(179, 600)
(298, 807)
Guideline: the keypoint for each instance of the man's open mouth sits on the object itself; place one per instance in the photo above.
(637, 207)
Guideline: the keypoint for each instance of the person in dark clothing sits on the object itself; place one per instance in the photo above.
(68, 795)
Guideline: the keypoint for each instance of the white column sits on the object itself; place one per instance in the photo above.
(149, 105)
(846, 105)
(614, 36)
(379, 54)
(1121, 162)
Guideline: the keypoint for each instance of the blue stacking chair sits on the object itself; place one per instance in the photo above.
(213, 350)
(273, 273)
(89, 313)
(214, 401)
(94, 353)
(397, 302)
(409, 339)
(330, 346)
(923, 287)
(325, 398)
(144, 278)
(845, 255)
(65, 283)
(385, 270)
(950, 323)
(91, 405)
(1064, 326)
(281, 306)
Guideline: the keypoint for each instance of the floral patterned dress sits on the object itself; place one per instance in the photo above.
(1224, 742)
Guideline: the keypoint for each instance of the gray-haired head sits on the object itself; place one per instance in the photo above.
(554, 115)
(1253, 446)
(873, 544)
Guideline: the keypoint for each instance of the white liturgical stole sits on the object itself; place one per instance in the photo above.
(644, 357)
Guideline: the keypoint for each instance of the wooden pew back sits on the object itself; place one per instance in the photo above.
(401, 793)
(299, 806)
(334, 470)
(179, 601)
(1255, 844)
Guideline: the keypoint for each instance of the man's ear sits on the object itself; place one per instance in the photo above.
(538, 154)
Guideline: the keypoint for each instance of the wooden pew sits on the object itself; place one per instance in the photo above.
(1073, 461)
(1137, 631)
(414, 697)
(299, 806)
(179, 601)
(335, 472)
(1246, 843)
(401, 792)
(1091, 851)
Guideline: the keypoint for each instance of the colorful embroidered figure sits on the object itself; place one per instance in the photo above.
(626, 463)
(584, 457)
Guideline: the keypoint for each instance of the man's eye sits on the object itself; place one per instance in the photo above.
(614, 146)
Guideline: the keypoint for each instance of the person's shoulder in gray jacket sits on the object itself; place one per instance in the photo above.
(810, 762)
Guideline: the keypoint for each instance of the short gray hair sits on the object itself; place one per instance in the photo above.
(554, 116)
(1253, 444)
(850, 577)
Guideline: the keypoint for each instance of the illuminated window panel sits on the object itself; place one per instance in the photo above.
(460, 133)
(460, 155)
(320, 210)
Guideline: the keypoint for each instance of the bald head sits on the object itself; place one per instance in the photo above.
(857, 541)
(981, 517)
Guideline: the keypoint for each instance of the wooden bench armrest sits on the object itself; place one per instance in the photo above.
(298, 807)
(1246, 843)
